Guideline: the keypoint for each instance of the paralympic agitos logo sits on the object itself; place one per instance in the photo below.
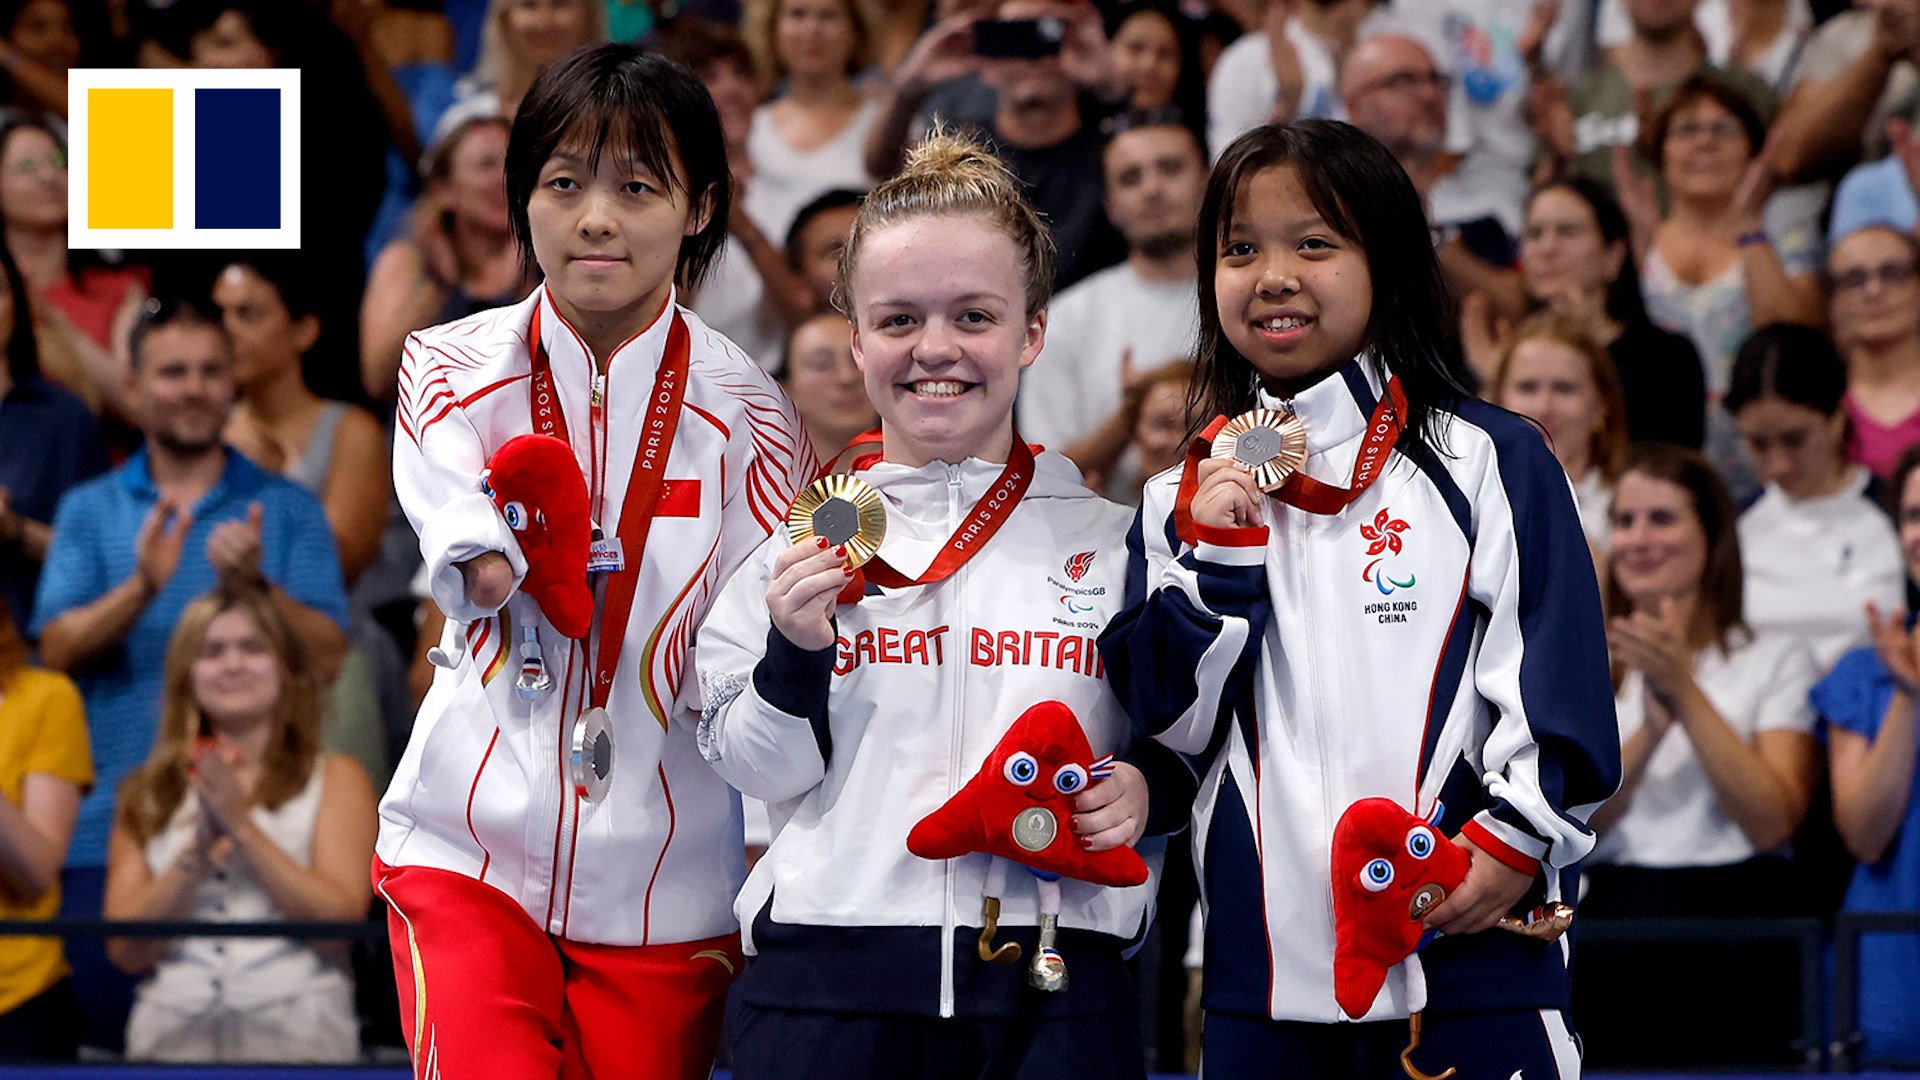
(1384, 536)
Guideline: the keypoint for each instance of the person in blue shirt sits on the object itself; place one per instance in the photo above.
(131, 549)
(48, 443)
(1867, 709)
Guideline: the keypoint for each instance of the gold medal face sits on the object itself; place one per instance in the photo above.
(1269, 444)
(1034, 828)
(591, 759)
(844, 509)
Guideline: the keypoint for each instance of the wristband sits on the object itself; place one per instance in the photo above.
(1748, 239)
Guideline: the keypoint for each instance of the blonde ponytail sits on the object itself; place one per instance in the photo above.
(953, 174)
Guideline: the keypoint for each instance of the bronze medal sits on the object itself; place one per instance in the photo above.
(591, 756)
(1269, 444)
(846, 510)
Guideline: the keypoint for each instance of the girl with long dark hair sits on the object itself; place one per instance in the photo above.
(1406, 615)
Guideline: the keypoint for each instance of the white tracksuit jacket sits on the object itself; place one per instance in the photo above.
(483, 789)
(853, 744)
(1306, 664)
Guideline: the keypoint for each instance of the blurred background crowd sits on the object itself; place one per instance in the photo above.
(1681, 233)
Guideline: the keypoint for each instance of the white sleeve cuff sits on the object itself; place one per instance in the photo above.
(459, 530)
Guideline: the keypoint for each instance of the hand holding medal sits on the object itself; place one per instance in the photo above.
(1266, 444)
(836, 524)
(1253, 453)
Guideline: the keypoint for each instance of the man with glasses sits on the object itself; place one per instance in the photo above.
(1393, 91)
(130, 550)
(1611, 105)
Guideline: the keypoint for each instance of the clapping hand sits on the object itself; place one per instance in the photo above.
(1654, 644)
(157, 546)
(224, 798)
(234, 550)
(1898, 648)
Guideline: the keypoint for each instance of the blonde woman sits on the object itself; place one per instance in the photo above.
(1553, 373)
(518, 38)
(807, 138)
(238, 815)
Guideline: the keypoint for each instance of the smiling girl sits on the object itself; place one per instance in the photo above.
(1410, 616)
(239, 816)
(856, 702)
(540, 926)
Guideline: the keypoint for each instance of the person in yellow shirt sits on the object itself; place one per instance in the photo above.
(45, 766)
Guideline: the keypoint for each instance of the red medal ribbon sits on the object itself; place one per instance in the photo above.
(981, 522)
(1300, 490)
(646, 483)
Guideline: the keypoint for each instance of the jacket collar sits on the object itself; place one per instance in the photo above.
(1337, 409)
(922, 511)
(567, 351)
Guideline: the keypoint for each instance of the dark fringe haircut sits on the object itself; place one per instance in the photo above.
(643, 106)
(1797, 364)
(1362, 193)
(1624, 302)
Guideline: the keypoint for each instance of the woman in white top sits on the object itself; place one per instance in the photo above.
(1557, 376)
(239, 816)
(807, 138)
(1718, 769)
(1713, 271)
(1816, 547)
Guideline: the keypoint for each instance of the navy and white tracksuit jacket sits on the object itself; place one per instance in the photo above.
(1312, 662)
(853, 744)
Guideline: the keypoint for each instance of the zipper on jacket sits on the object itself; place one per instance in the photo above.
(1316, 701)
(563, 731)
(956, 746)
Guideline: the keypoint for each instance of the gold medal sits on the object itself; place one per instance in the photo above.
(1267, 443)
(846, 510)
(591, 759)
(1034, 828)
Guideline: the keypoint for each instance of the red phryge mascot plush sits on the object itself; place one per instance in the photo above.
(1019, 807)
(536, 483)
(1389, 869)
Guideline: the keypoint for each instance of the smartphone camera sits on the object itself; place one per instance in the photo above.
(1018, 39)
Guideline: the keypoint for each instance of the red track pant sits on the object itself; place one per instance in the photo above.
(486, 993)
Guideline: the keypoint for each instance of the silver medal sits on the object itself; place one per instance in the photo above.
(1034, 828)
(591, 758)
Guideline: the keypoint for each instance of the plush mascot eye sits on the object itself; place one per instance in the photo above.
(1419, 841)
(1376, 875)
(1021, 768)
(1069, 779)
(516, 516)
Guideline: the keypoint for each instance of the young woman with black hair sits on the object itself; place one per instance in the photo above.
(1408, 615)
(1576, 259)
(1817, 546)
(557, 909)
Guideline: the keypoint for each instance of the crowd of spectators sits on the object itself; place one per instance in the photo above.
(1683, 237)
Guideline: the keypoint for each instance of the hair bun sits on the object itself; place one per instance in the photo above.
(953, 172)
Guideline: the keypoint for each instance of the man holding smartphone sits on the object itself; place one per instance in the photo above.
(1035, 76)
